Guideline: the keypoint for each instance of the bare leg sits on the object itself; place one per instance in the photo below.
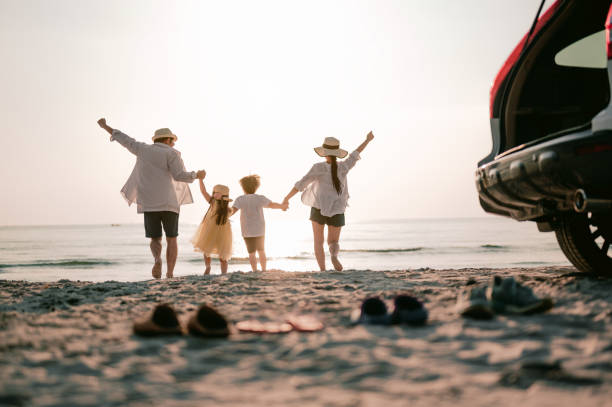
(318, 232)
(223, 266)
(207, 263)
(253, 261)
(262, 259)
(333, 238)
(156, 247)
(171, 254)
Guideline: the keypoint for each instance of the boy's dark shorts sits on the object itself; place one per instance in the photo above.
(336, 220)
(254, 243)
(153, 222)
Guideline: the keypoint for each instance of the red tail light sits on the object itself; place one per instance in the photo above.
(608, 26)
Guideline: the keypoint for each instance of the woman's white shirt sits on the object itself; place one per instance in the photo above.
(318, 189)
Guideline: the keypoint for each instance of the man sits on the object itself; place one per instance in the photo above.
(158, 186)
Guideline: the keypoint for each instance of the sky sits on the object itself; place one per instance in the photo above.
(249, 88)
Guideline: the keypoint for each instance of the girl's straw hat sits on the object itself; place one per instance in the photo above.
(223, 190)
(331, 146)
(163, 133)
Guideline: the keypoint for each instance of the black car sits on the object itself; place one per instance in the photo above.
(551, 123)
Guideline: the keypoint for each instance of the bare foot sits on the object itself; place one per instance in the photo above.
(169, 275)
(336, 263)
(157, 268)
(207, 270)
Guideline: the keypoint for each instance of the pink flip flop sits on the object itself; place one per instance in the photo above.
(259, 327)
(305, 323)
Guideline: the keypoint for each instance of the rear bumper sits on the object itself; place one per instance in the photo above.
(541, 180)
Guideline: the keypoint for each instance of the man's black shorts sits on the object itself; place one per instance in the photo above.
(336, 220)
(153, 222)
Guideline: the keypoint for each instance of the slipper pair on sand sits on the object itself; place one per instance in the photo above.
(208, 322)
(407, 310)
(501, 296)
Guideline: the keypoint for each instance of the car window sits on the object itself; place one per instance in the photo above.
(588, 52)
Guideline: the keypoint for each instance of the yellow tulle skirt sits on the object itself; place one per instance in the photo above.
(212, 239)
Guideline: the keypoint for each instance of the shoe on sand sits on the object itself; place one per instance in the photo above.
(267, 327)
(408, 310)
(510, 297)
(162, 321)
(305, 323)
(208, 322)
(373, 312)
(473, 303)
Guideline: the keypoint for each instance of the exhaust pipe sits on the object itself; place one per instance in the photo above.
(582, 203)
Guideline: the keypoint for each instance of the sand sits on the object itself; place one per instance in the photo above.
(70, 343)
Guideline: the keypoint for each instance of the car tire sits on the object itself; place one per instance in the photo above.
(585, 239)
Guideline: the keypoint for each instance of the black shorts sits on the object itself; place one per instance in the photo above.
(153, 222)
(336, 220)
(254, 243)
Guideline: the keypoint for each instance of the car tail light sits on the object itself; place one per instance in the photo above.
(608, 26)
(593, 148)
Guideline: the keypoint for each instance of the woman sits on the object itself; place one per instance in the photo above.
(326, 192)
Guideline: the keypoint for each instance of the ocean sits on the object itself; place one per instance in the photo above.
(121, 252)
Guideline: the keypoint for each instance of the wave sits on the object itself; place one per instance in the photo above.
(410, 249)
(61, 263)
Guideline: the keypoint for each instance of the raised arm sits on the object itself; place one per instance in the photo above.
(205, 194)
(102, 123)
(362, 146)
(126, 141)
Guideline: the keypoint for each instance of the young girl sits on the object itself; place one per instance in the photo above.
(214, 235)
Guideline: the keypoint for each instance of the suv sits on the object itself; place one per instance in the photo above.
(551, 123)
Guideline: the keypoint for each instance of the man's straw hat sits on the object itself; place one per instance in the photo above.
(162, 133)
(331, 146)
(223, 190)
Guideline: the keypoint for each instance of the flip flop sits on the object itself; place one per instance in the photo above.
(208, 322)
(259, 327)
(373, 312)
(162, 321)
(305, 323)
(408, 310)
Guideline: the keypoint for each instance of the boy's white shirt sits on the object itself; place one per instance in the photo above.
(252, 220)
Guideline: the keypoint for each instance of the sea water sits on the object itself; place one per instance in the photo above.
(121, 252)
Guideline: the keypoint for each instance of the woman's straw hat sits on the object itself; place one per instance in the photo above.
(224, 190)
(331, 146)
(163, 133)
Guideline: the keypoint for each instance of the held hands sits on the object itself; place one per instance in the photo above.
(285, 206)
(201, 174)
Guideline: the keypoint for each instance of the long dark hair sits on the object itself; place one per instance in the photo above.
(222, 210)
(334, 174)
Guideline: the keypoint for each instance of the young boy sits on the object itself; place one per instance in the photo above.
(252, 219)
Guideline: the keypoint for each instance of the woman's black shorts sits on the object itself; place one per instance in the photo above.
(336, 220)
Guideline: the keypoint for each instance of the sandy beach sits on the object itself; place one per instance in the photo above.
(70, 343)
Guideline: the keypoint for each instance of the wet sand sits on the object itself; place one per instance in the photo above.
(70, 343)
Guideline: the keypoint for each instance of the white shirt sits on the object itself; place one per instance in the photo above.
(319, 191)
(252, 219)
(158, 180)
